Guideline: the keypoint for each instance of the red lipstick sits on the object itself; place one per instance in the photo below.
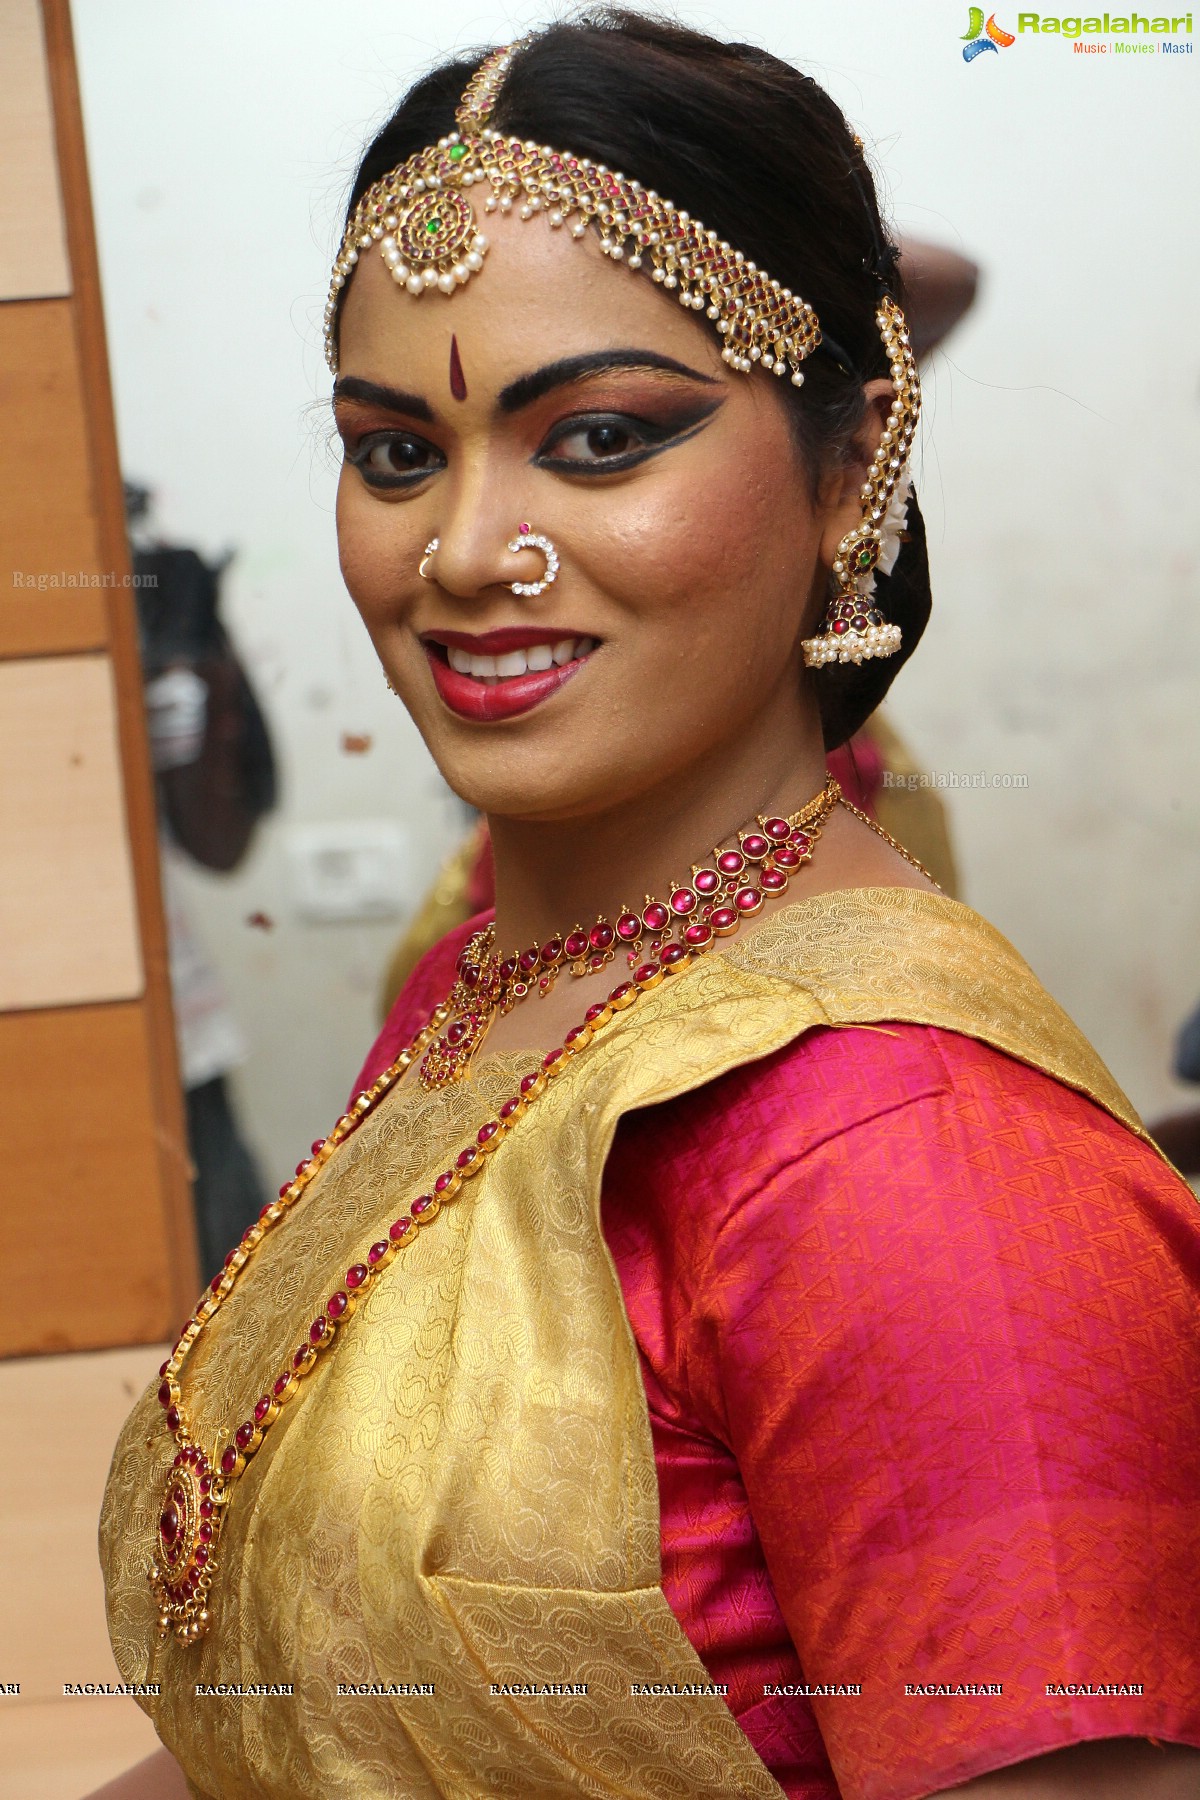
(483, 701)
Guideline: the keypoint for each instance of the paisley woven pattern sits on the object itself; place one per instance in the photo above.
(466, 1494)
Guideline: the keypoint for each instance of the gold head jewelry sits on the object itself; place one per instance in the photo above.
(421, 217)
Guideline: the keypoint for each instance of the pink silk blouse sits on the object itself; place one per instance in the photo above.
(919, 1332)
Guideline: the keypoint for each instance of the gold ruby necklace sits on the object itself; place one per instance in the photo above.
(671, 933)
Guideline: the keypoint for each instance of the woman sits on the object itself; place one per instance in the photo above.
(759, 1339)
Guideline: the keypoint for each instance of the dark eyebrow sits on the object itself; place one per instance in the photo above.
(351, 387)
(529, 388)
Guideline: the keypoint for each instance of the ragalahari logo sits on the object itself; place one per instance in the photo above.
(979, 37)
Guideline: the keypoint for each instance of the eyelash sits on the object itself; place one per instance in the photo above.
(653, 437)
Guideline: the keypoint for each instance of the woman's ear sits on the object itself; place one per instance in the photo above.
(841, 490)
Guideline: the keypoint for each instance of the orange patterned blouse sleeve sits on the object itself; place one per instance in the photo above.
(921, 1343)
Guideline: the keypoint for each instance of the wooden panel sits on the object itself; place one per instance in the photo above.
(48, 526)
(33, 250)
(89, 1239)
(68, 924)
(59, 1417)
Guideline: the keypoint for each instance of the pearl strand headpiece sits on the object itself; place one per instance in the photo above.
(421, 217)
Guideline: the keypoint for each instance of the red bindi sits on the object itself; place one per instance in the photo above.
(458, 381)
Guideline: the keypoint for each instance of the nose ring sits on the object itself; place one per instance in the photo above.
(526, 539)
(428, 551)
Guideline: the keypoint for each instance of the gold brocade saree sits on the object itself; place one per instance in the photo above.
(463, 1504)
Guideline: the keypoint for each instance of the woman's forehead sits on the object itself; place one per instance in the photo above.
(541, 295)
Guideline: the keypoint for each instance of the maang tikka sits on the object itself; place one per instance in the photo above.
(421, 217)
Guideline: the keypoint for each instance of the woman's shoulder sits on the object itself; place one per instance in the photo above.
(850, 1107)
(429, 983)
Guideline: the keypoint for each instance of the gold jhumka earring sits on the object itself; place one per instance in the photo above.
(420, 215)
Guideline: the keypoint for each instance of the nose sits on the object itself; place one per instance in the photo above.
(482, 548)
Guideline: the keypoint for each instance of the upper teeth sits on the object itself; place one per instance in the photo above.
(535, 659)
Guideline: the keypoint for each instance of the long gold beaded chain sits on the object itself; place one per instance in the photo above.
(197, 1493)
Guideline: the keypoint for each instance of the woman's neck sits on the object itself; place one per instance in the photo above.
(552, 875)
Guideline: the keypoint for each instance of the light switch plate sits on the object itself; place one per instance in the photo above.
(350, 870)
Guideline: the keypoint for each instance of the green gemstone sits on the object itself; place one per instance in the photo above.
(457, 152)
(434, 225)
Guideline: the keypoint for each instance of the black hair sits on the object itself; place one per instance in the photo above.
(765, 158)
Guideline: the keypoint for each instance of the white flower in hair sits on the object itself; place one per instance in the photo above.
(894, 521)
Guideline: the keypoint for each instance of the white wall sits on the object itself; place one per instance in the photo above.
(1058, 470)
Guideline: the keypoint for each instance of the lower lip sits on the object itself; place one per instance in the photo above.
(487, 701)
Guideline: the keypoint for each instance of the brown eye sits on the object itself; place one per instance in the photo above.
(394, 459)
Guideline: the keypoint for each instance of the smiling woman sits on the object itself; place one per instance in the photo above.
(739, 1339)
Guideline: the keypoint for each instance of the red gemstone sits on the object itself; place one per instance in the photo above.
(400, 1229)
(508, 968)
(510, 1107)
(229, 1256)
(839, 627)
(317, 1146)
(262, 1217)
(646, 971)
(656, 916)
(723, 918)
(301, 1167)
(205, 1488)
(619, 993)
(706, 881)
(456, 1032)
(683, 902)
(261, 1409)
(244, 1434)
(466, 1157)
(629, 927)
(576, 945)
(229, 1461)
(165, 1366)
(421, 1207)
(731, 862)
(336, 1305)
(528, 1082)
(600, 937)
(777, 829)
(281, 1387)
(207, 1509)
(470, 976)
(215, 1283)
(173, 1420)
(440, 1185)
(356, 1275)
(164, 1392)
(552, 952)
(698, 934)
(205, 1534)
(529, 960)
(302, 1358)
(755, 847)
(551, 1057)
(573, 1036)
(168, 1524)
(376, 1253)
(594, 1012)
(802, 841)
(317, 1331)
(672, 955)
(201, 1556)
(773, 881)
(487, 1132)
(747, 899)
(787, 857)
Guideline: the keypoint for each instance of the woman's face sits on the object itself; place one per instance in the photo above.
(562, 390)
